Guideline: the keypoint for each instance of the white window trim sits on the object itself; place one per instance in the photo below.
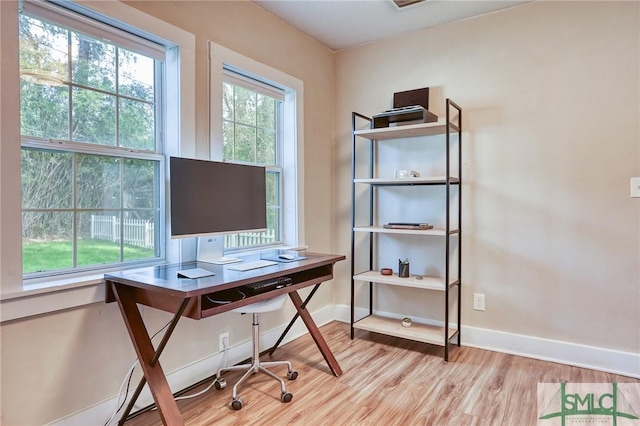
(18, 300)
(236, 77)
(292, 159)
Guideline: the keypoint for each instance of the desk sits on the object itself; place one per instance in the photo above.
(160, 288)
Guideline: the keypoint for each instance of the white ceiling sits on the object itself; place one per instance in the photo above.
(340, 24)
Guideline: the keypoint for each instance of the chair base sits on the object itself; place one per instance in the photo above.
(255, 367)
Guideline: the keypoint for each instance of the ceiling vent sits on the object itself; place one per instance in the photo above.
(404, 3)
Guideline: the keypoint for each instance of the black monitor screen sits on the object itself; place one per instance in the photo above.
(210, 197)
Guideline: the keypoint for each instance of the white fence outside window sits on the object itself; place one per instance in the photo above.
(135, 232)
(247, 239)
(140, 233)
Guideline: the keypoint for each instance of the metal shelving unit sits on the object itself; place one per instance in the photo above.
(448, 286)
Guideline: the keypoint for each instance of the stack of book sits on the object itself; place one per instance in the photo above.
(406, 225)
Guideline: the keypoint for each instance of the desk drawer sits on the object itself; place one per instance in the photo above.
(299, 280)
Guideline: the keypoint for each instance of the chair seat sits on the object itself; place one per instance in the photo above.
(266, 305)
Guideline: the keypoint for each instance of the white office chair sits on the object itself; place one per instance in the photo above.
(268, 305)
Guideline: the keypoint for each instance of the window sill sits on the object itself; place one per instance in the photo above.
(45, 296)
(37, 301)
(39, 297)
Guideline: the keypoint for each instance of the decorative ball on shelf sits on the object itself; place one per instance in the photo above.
(406, 322)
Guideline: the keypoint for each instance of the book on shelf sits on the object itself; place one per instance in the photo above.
(405, 225)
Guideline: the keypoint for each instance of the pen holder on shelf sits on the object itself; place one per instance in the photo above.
(403, 268)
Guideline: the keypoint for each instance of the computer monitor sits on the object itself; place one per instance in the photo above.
(211, 198)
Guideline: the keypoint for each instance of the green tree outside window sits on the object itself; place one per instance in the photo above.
(90, 157)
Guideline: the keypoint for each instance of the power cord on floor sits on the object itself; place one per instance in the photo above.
(225, 358)
(127, 380)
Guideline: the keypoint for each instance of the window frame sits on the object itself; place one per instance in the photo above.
(95, 28)
(236, 78)
(19, 299)
(29, 277)
(292, 210)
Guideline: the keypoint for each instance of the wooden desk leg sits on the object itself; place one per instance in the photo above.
(167, 407)
(315, 333)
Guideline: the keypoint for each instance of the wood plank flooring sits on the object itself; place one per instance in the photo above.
(386, 381)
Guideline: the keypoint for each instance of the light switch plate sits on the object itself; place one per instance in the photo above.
(635, 187)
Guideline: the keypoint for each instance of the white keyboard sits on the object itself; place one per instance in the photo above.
(225, 260)
(246, 266)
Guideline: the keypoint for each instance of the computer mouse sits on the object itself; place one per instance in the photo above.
(287, 256)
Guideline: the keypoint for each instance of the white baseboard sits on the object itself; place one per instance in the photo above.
(194, 372)
(594, 358)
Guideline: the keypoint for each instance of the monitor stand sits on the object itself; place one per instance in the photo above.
(211, 250)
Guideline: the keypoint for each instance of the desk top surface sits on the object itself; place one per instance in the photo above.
(165, 278)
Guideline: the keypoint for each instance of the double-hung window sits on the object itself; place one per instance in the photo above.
(256, 117)
(252, 120)
(92, 159)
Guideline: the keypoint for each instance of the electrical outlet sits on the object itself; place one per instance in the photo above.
(222, 338)
(635, 187)
(478, 301)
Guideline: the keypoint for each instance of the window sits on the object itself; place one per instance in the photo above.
(92, 158)
(36, 294)
(257, 117)
(252, 134)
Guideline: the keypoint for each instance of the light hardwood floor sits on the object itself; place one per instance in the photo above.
(386, 381)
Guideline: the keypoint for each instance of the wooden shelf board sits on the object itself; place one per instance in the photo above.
(393, 327)
(407, 131)
(428, 283)
(433, 180)
(380, 229)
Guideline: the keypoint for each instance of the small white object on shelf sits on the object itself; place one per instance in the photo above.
(406, 322)
(403, 174)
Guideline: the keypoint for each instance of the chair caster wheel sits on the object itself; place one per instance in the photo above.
(220, 383)
(237, 404)
(286, 397)
(292, 375)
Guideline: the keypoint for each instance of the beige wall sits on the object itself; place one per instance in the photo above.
(54, 365)
(550, 94)
(248, 30)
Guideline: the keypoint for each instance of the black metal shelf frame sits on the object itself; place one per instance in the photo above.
(449, 181)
